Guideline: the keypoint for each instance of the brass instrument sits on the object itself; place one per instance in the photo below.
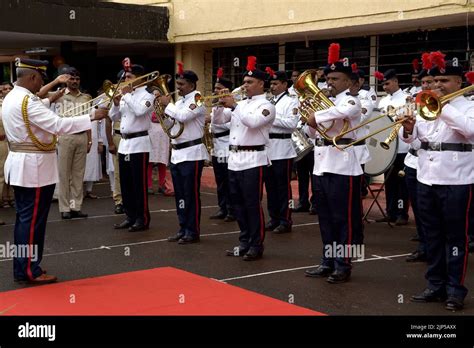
(201, 100)
(428, 105)
(390, 112)
(166, 121)
(111, 90)
(208, 139)
(394, 133)
(314, 99)
(391, 137)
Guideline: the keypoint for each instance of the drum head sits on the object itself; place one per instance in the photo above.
(381, 159)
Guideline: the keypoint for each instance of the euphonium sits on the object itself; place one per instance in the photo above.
(314, 99)
(166, 122)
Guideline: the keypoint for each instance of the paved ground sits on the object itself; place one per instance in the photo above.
(380, 285)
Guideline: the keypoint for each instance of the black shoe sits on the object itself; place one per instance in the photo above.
(429, 295)
(301, 209)
(313, 212)
(454, 304)
(386, 219)
(338, 277)
(218, 216)
(229, 218)
(401, 221)
(415, 238)
(175, 238)
(66, 215)
(189, 240)
(318, 272)
(123, 225)
(137, 227)
(270, 227)
(78, 214)
(416, 256)
(119, 209)
(253, 255)
(282, 229)
(237, 252)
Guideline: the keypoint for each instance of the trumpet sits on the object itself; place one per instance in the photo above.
(201, 100)
(111, 90)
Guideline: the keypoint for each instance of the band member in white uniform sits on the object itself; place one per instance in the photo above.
(445, 190)
(395, 186)
(251, 120)
(281, 153)
(338, 174)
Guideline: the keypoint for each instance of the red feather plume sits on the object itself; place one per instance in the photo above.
(426, 61)
(251, 63)
(220, 72)
(270, 71)
(438, 59)
(470, 77)
(180, 68)
(416, 65)
(127, 64)
(333, 53)
(378, 75)
(354, 67)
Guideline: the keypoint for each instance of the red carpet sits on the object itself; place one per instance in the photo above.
(157, 291)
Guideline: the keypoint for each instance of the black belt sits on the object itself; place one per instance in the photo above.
(235, 148)
(186, 144)
(117, 131)
(134, 135)
(343, 141)
(413, 152)
(434, 146)
(221, 134)
(280, 136)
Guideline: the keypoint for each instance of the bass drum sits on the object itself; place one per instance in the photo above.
(381, 159)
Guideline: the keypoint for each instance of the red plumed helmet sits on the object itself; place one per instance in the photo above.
(378, 75)
(251, 63)
(437, 58)
(426, 61)
(180, 68)
(220, 72)
(354, 67)
(333, 53)
(470, 77)
(416, 65)
(270, 71)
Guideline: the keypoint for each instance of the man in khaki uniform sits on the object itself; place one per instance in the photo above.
(113, 129)
(72, 149)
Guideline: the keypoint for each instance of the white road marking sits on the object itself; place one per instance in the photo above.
(300, 268)
(116, 215)
(109, 247)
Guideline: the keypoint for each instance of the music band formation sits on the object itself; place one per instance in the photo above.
(321, 124)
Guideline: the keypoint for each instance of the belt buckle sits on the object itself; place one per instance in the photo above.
(319, 142)
(436, 146)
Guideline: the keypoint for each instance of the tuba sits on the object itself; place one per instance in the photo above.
(166, 121)
(314, 99)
